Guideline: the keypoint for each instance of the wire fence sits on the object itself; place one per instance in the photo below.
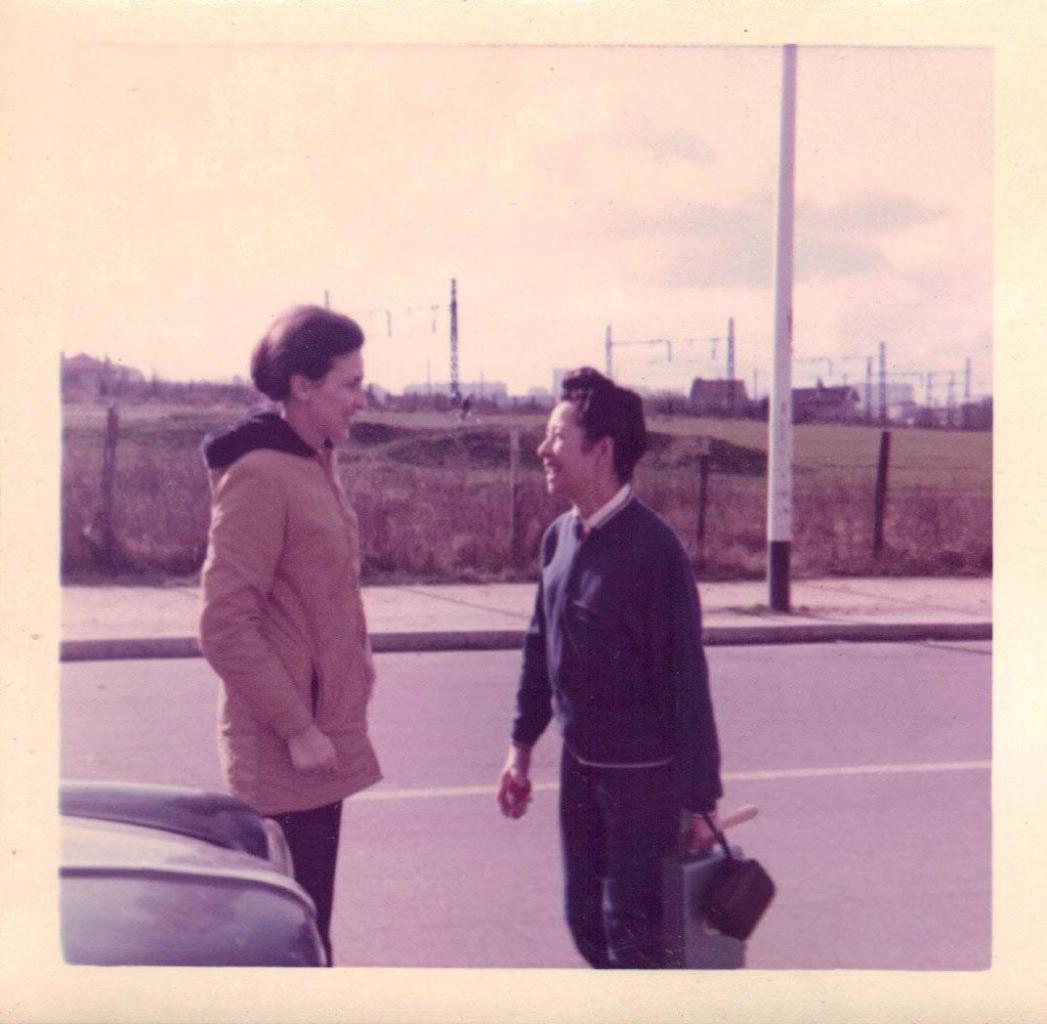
(468, 503)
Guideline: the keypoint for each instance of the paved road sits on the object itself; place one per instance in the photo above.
(869, 763)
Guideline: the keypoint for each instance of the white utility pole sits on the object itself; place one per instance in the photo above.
(780, 447)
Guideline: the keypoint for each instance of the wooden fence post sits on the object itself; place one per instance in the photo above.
(108, 534)
(704, 447)
(880, 499)
(514, 493)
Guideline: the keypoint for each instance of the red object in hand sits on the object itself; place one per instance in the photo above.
(517, 796)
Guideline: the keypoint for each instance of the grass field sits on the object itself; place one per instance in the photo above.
(434, 499)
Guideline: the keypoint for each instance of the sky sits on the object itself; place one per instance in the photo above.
(567, 189)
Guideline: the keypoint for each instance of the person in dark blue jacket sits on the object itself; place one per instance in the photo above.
(614, 649)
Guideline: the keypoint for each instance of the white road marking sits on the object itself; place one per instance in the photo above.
(755, 776)
(859, 769)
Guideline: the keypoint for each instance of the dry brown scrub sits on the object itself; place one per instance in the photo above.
(451, 522)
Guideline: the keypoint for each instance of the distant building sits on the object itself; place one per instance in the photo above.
(377, 395)
(654, 391)
(432, 388)
(976, 415)
(838, 404)
(718, 396)
(664, 401)
(488, 391)
(99, 376)
(542, 398)
(901, 402)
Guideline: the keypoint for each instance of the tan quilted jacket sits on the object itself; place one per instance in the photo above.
(283, 626)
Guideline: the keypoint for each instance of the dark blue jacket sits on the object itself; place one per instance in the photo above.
(614, 647)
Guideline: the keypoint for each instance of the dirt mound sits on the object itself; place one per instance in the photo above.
(488, 447)
(668, 451)
(369, 435)
(485, 447)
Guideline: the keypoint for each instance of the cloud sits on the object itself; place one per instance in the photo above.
(875, 213)
(633, 132)
(699, 244)
(824, 254)
(714, 245)
(676, 145)
(849, 238)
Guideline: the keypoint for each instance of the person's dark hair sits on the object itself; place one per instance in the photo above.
(305, 340)
(603, 409)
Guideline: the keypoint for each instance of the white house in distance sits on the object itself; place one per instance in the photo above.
(542, 397)
(901, 401)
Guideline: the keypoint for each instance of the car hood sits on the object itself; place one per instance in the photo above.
(137, 895)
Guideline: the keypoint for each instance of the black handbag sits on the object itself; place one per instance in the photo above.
(738, 894)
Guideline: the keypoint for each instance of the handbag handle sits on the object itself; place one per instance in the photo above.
(744, 813)
(720, 837)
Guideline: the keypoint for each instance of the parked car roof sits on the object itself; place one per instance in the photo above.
(218, 818)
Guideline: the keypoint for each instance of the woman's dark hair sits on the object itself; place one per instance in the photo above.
(603, 409)
(305, 340)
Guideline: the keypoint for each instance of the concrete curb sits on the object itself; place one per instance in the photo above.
(505, 640)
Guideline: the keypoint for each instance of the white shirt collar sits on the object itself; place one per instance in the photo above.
(605, 512)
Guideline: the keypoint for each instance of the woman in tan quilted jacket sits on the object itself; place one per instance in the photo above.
(283, 623)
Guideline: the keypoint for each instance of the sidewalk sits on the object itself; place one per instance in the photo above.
(142, 622)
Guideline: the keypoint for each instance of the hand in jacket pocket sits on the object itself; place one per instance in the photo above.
(312, 751)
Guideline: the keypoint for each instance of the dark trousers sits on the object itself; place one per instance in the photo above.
(313, 838)
(616, 824)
